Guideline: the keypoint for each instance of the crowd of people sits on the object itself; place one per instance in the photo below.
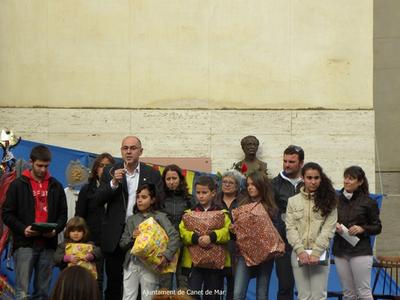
(301, 203)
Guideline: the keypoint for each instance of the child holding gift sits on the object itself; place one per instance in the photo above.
(135, 271)
(206, 282)
(76, 249)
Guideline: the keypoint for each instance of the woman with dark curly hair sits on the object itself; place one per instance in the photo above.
(310, 224)
(87, 207)
(176, 200)
(360, 215)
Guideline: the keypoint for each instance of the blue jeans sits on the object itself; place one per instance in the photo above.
(242, 277)
(25, 261)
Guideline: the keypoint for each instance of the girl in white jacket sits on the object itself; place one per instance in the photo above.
(310, 224)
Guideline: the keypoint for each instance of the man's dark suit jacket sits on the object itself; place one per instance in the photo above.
(116, 202)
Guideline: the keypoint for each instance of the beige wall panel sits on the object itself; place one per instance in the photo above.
(98, 121)
(250, 122)
(184, 144)
(186, 54)
(325, 69)
(170, 121)
(23, 53)
(344, 123)
(174, 134)
(169, 54)
(250, 44)
(88, 53)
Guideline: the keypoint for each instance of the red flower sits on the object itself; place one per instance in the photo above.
(244, 168)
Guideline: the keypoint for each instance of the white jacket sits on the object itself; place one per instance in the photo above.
(307, 229)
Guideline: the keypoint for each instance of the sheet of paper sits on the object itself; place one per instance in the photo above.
(352, 239)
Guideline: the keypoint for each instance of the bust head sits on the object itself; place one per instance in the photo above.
(250, 146)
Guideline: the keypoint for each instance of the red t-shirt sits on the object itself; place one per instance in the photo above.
(40, 191)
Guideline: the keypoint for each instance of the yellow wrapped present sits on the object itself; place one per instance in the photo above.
(80, 250)
(150, 244)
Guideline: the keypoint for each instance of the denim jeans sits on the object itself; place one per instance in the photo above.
(27, 260)
(242, 278)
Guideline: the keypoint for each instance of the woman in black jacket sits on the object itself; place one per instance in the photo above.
(358, 214)
(176, 200)
(87, 207)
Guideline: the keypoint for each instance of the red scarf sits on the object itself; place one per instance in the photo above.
(40, 191)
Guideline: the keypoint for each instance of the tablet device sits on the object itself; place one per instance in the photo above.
(43, 227)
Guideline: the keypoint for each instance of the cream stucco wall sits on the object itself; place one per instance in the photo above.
(253, 54)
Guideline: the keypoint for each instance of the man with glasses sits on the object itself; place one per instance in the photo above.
(117, 191)
(286, 185)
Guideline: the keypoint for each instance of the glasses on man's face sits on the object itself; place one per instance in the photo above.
(131, 148)
(227, 182)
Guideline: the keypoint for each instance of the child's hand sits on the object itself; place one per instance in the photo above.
(162, 263)
(135, 233)
(89, 257)
(339, 228)
(71, 259)
(204, 241)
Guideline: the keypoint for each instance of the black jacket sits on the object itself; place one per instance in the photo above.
(359, 210)
(19, 211)
(116, 202)
(283, 190)
(87, 208)
(174, 205)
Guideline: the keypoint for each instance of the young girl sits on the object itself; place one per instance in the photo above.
(311, 219)
(176, 200)
(135, 272)
(76, 249)
(259, 190)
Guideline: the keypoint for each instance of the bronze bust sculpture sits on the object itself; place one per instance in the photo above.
(250, 163)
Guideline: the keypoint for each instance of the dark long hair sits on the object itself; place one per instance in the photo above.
(182, 188)
(358, 173)
(264, 187)
(151, 188)
(93, 172)
(325, 196)
(75, 283)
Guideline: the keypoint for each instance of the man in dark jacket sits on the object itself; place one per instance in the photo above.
(117, 191)
(35, 197)
(286, 185)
